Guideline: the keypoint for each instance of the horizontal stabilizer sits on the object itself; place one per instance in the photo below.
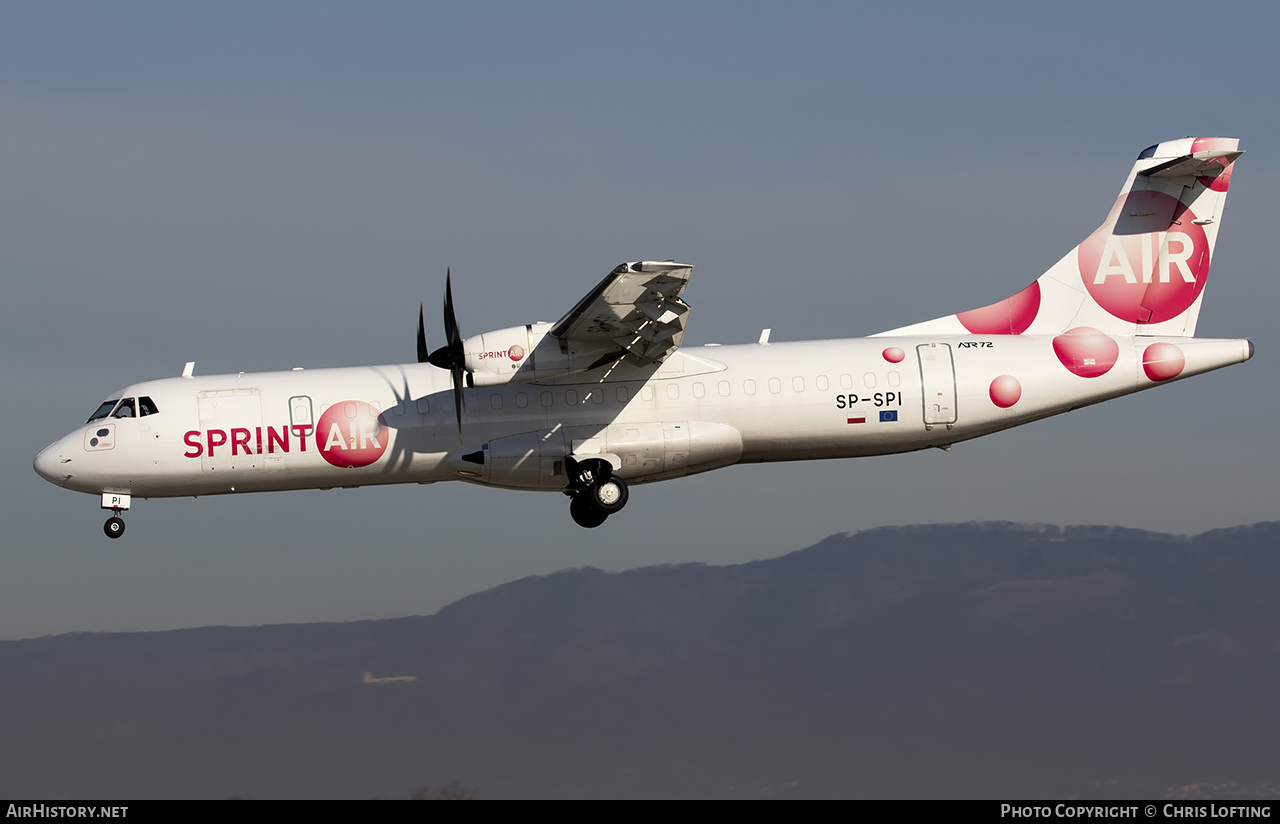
(1200, 164)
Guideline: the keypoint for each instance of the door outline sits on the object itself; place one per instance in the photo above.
(937, 384)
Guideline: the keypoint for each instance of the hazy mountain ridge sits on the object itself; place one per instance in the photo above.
(930, 660)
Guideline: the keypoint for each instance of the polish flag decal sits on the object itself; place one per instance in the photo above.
(856, 419)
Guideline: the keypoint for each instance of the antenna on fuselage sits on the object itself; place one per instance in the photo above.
(189, 369)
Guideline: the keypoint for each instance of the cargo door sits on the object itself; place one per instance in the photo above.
(231, 420)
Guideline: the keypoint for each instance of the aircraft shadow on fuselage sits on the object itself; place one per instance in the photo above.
(427, 424)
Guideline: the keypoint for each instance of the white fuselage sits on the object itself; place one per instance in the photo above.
(605, 397)
(700, 409)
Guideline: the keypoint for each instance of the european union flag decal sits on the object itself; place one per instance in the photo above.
(888, 416)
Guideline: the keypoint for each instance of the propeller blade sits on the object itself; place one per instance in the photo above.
(451, 356)
(450, 320)
(423, 354)
(456, 355)
(457, 396)
(446, 356)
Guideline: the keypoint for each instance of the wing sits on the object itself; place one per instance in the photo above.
(635, 312)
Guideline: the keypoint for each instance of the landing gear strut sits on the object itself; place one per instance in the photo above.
(595, 493)
(114, 527)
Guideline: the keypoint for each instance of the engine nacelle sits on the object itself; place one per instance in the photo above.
(642, 452)
(527, 353)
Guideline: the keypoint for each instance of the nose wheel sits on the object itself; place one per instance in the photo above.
(114, 527)
(596, 494)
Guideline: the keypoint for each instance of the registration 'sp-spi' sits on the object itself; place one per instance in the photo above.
(605, 398)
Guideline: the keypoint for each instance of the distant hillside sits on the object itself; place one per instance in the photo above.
(956, 660)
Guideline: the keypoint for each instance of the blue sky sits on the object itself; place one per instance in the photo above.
(258, 186)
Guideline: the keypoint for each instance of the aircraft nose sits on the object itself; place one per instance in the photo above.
(48, 463)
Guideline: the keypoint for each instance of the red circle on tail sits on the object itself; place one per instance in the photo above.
(1148, 263)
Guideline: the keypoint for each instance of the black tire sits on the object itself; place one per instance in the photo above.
(114, 527)
(608, 495)
(584, 514)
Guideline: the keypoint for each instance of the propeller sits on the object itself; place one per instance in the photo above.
(423, 354)
(451, 356)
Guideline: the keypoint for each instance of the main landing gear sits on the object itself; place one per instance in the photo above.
(114, 527)
(595, 494)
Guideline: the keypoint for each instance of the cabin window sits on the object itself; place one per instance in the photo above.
(673, 391)
(103, 411)
(522, 400)
(546, 399)
(869, 380)
(724, 388)
(822, 383)
(775, 385)
(571, 397)
(622, 394)
(646, 393)
(797, 383)
(495, 401)
(299, 410)
(699, 390)
(749, 386)
(597, 395)
(424, 405)
(894, 379)
(846, 381)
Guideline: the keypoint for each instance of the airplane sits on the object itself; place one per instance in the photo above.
(606, 398)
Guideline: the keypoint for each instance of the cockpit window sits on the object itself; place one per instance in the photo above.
(103, 411)
(146, 407)
(124, 410)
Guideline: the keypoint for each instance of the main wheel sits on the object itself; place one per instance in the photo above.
(584, 513)
(608, 495)
(114, 527)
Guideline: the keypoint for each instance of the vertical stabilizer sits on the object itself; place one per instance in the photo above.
(1142, 272)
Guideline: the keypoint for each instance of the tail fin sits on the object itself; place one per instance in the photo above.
(1142, 272)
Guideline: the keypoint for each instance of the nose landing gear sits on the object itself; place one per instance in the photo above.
(595, 493)
(117, 502)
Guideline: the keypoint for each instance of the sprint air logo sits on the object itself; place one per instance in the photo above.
(515, 353)
(349, 434)
(1151, 264)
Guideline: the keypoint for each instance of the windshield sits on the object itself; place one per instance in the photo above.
(103, 410)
